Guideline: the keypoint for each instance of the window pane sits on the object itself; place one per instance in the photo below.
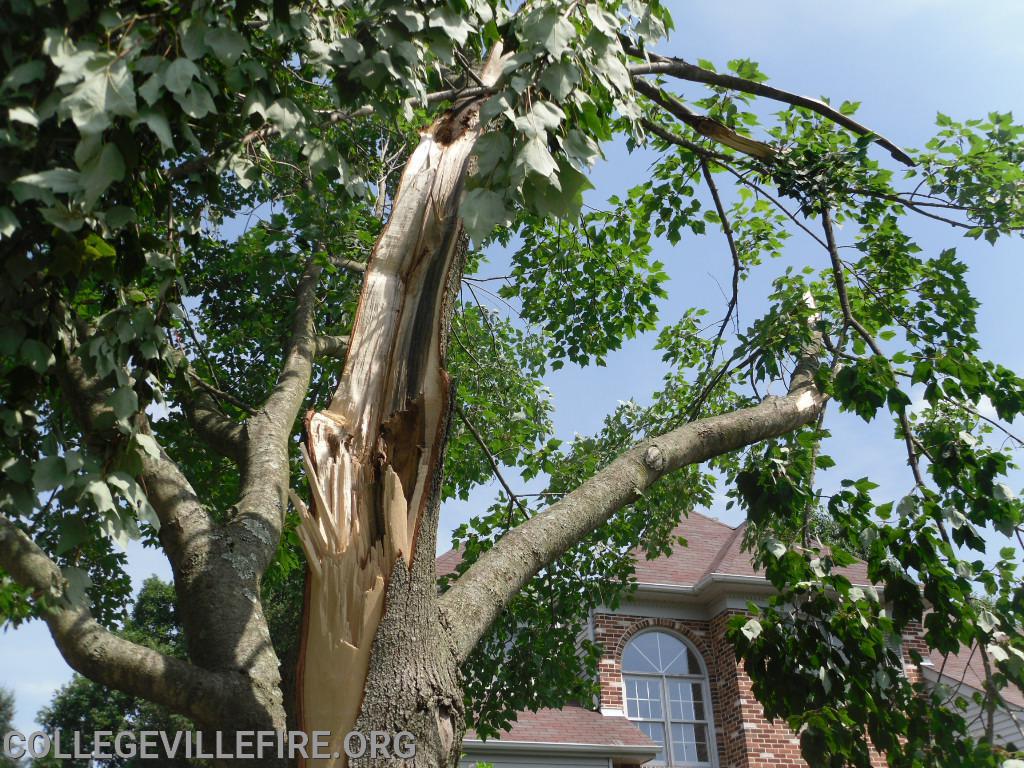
(686, 700)
(689, 743)
(643, 698)
(642, 654)
(674, 660)
(656, 733)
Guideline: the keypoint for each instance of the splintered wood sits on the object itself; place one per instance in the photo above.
(350, 554)
(372, 458)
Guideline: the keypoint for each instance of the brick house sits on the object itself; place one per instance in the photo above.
(672, 692)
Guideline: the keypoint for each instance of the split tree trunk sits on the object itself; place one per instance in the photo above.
(373, 654)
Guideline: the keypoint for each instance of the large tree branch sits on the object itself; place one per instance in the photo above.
(264, 494)
(665, 65)
(332, 346)
(216, 576)
(478, 597)
(100, 655)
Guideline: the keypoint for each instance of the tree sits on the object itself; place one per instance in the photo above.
(161, 356)
(7, 723)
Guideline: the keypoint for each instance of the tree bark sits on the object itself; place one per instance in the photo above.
(374, 461)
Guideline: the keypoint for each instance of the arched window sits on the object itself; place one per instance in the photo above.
(667, 697)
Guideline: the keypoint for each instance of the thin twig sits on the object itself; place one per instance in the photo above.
(853, 322)
(220, 393)
(736, 268)
(513, 497)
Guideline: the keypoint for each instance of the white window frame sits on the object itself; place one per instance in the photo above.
(666, 720)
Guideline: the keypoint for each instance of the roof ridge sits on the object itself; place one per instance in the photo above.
(726, 547)
(712, 519)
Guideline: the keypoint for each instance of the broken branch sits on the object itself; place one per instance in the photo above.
(664, 65)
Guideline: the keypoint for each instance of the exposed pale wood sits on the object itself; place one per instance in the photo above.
(372, 457)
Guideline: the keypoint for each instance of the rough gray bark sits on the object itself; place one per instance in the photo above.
(413, 683)
(111, 660)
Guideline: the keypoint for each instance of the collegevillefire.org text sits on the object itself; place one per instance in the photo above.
(236, 745)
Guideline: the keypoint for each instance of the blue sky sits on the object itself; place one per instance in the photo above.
(904, 60)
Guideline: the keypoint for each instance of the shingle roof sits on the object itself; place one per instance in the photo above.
(968, 668)
(447, 562)
(712, 549)
(573, 725)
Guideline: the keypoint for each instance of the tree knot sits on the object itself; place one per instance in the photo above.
(654, 458)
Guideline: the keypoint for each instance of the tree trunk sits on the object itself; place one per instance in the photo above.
(374, 460)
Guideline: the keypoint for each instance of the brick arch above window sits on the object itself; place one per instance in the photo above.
(613, 630)
(697, 638)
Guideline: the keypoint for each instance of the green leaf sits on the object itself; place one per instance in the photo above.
(581, 148)
(179, 75)
(8, 221)
(63, 218)
(25, 115)
(147, 444)
(482, 210)
(25, 73)
(197, 102)
(156, 121)
(285, 115)
(1003, 492)
(61, 181)
(226, 44)
(560, 196)
(776, 548)
(491, 150)
(117, 529)
(907, 506)
(551, 31)
(49, 473)
(752, 629)
(451, 22)
(153, 88)
(559, 79)
(119, 216)
(36, 355)
(102, 171)
(76, 585)
(125, 404)
(100, 96)
(543, 118)
(100, 493)
(535, 157)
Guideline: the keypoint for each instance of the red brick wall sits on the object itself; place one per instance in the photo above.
(744, 737)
